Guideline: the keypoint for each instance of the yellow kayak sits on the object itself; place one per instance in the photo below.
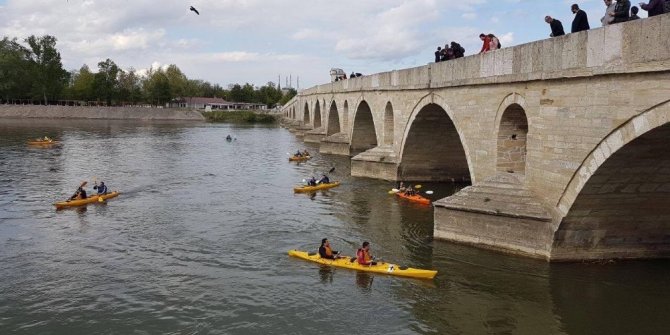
(351, 263)
(81, 202)
(322, 186)
(298, 158)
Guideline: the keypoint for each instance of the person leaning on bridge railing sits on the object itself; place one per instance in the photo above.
(621, 11)
(581, 20)
(654, 7)
(607, 19)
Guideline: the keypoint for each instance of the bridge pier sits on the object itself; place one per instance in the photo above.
(378, 162)
(337, 144)
(315, 136)
(498, 214)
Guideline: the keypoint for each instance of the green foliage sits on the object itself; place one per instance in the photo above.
(36, 72)
(239, 117)
(49, 77)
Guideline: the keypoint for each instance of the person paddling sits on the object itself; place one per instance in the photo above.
(311, 181)
(305, 153)
(80, 193)
(363, 255)
(324, 179)
(102, 188)
(298, 154)
(325, 251)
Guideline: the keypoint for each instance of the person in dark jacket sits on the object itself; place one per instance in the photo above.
(633, 13)
(325, 251)
(102, 188)
(438, 53)
(556, 26)
(621, 11)
(581, 21)
(459, 51)
(654, 7)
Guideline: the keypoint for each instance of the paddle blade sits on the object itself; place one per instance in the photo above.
(395, 190)
(418, 186)
(391, 192)
(429, 192)
(83, 183)
(331, 170)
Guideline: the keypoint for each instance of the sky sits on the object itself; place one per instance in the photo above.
(255, 41)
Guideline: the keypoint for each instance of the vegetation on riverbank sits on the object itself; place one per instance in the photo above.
(239, 117)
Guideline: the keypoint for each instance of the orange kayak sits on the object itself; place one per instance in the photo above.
(415, 198)
(42, 142)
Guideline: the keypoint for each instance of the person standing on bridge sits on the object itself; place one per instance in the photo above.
(654, 7)
(621, 11)
(487, 43)
(556, 26)
(581, 21)
(607, 19)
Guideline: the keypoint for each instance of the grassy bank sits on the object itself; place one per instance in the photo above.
(239, 116)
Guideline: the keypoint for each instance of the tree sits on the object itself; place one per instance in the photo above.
(177, 80)
(288, 96)
(106, 81)
(129, 87)
(48, 73)
(157, 87)
(15, 77)
(82, 84)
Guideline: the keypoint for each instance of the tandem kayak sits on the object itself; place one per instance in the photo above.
(81, 202)
(414, 198)
(298, 158)
(351, 263)
(322, 186)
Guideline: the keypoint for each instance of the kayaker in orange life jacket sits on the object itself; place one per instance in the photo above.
(363, 255)
(325, 251)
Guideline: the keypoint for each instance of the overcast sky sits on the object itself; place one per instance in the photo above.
(238, 41)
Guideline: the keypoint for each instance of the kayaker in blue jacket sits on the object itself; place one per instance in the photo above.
(298, 154)
(311, 181)
(325, 251)
(324, 179)
(102, 188)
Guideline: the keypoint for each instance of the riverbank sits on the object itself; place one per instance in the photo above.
(103, 113)
(239, 117)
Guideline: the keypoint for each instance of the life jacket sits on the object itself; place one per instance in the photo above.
(363, 257)
(329, 251)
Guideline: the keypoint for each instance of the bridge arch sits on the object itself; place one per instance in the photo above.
(432, 148)
(363, 133)
(333, 120)
(512, 135)
(305, 118)
(616, 204)
(317, 115)
(388, 124)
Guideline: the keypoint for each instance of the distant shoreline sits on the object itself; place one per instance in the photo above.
(95, 112)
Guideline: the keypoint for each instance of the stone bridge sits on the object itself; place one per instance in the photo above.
(565, 141)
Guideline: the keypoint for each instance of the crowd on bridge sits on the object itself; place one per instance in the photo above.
(618, 12)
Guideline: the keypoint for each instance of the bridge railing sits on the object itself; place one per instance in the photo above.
(636, 46)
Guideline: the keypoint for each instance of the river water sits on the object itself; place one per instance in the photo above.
(197, 244)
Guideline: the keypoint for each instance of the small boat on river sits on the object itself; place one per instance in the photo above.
(351, 263)
(95, 198)
(321, 186)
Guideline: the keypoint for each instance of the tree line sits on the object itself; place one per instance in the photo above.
(34, 71)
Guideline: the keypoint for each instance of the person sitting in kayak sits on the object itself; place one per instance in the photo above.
(305, 153)
(325, 250)
(363, 255)
(401, 187)
(79, 194)
(324, 179)
(410, 191)
(311, 181)
(228, 138)
(298, 154)
(102, 188)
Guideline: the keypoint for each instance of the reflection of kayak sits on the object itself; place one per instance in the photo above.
(414, 198)
(322, 186)
(298, 158)
(42, 142)
(80, 202)
(381, 267)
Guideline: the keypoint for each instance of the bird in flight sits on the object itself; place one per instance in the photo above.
(195, 10)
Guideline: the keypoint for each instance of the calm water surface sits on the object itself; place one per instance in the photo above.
(197, 244)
